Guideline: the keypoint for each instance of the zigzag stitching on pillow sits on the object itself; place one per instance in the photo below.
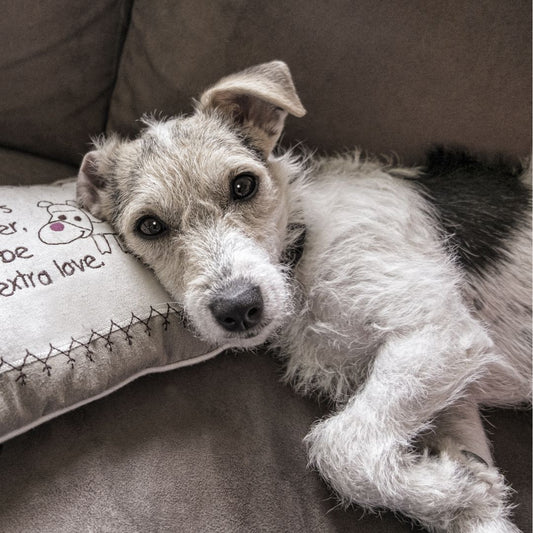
(89, 353)
(95, 336)
(148, 329)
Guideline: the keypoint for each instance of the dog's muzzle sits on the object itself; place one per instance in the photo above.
(238, 306)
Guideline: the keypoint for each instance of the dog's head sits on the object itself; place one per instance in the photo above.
(202, 201)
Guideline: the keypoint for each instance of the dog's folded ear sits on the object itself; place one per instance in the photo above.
(257, 100)
(93, 183)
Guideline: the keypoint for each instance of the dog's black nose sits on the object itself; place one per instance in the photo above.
(238, 306)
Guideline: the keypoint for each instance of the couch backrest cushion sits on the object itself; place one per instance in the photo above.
(57, 65)
(383, 75)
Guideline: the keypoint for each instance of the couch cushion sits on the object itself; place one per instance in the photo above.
(382, 75)
(58, 66)
(19, 168)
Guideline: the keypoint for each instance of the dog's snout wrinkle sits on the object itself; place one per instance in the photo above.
(238, 306)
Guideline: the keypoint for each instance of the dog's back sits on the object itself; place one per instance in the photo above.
(385, 233)
(484, 211)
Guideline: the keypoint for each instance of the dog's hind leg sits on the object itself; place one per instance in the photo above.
(458, 431)
(366, 451)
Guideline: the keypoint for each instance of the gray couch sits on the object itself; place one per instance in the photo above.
(218, 446)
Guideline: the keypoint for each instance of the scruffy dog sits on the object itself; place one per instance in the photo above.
(409, 306)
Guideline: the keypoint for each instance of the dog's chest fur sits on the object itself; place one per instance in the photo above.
(370, 248)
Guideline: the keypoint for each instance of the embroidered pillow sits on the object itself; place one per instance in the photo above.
(79, 316)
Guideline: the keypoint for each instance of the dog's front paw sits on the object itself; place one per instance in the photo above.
(490, 512)
(479, 501)
(455, 492)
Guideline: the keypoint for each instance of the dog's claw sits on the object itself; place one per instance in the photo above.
(471, 455)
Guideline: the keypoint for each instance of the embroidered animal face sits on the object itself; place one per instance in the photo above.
(201, 200)
(67, 223)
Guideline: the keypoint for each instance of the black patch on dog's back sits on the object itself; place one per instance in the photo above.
(478, 203)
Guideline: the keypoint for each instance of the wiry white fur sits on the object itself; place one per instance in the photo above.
(376, 317)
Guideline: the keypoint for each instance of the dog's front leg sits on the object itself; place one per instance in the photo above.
(366, 451)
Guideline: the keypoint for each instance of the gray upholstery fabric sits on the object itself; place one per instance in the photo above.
(19, 168)
(58, 66)
(388, 76)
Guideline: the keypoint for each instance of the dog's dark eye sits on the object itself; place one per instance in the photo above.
(243, 186)
(150, 226)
